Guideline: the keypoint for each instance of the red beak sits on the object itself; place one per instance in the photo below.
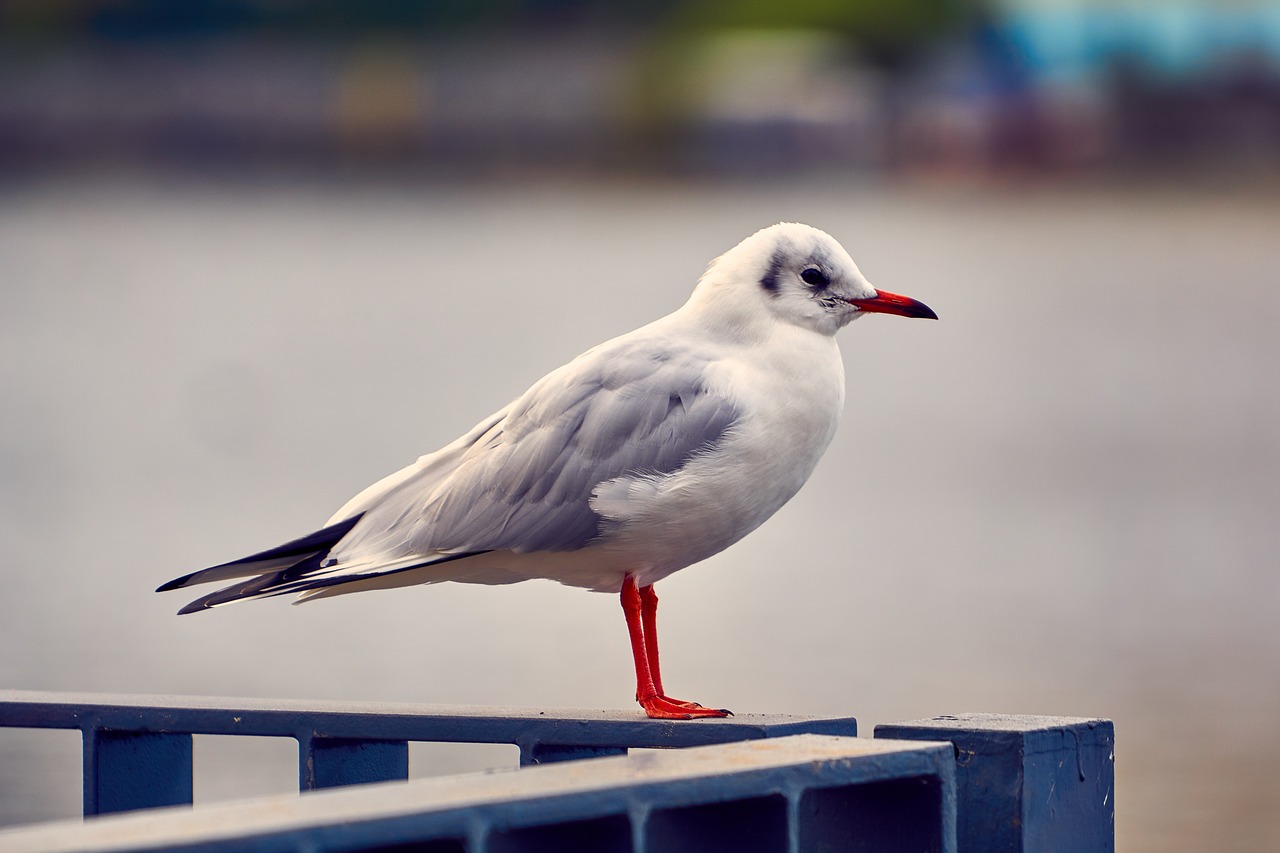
(885, 302)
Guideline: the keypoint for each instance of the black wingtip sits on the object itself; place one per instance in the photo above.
(194, 607)
(319, 541)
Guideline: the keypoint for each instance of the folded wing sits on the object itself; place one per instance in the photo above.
(521, 481)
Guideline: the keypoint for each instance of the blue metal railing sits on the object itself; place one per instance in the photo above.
(1028, 783)
(799, 793)
(965, 783)
(138, 749)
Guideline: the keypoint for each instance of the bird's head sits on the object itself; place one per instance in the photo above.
(800, 275)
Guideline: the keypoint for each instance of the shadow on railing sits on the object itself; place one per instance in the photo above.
(1009, 783)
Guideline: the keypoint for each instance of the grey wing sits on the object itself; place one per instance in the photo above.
(525, 483)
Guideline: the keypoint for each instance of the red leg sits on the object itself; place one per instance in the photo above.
(649, 625)
(649, 622)
(640, 608)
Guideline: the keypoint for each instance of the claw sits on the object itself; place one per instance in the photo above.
(719, 712)
(662, 708)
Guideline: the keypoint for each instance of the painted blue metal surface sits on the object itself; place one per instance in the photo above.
(1027, 783)
(809, 793)
(135, 770)
(330, 762)
(547, 753)
(138, 748)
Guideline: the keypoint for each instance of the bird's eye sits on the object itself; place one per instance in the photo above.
(814, 276)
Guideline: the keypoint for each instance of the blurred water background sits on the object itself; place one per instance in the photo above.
(255, 255)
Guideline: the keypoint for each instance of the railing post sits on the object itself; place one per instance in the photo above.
(544, 753)
(328, 762)
(135, 770)
(1027, 783)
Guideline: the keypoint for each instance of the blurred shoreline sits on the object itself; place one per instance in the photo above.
(1014, 91)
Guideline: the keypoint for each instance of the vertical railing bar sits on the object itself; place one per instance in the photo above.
(477, 834)
(639, 814)
(330, 762)
(88, 770)
(793, 794)
(124, 770)
(535, 752)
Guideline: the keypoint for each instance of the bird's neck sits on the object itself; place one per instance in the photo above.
(713, 313)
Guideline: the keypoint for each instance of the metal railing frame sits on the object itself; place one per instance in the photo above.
(1010, 783)
(138, 749)
(788, 795)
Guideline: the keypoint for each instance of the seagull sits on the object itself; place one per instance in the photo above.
(646, 454)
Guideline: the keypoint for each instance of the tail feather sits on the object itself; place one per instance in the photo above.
(261, 586)
(296, 566)
(283, 557)
(309, 576)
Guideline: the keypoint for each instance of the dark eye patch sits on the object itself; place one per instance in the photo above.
(815, 277)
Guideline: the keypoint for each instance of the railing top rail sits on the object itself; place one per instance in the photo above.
(391, 721)
(605, 786)
(1016, 723)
